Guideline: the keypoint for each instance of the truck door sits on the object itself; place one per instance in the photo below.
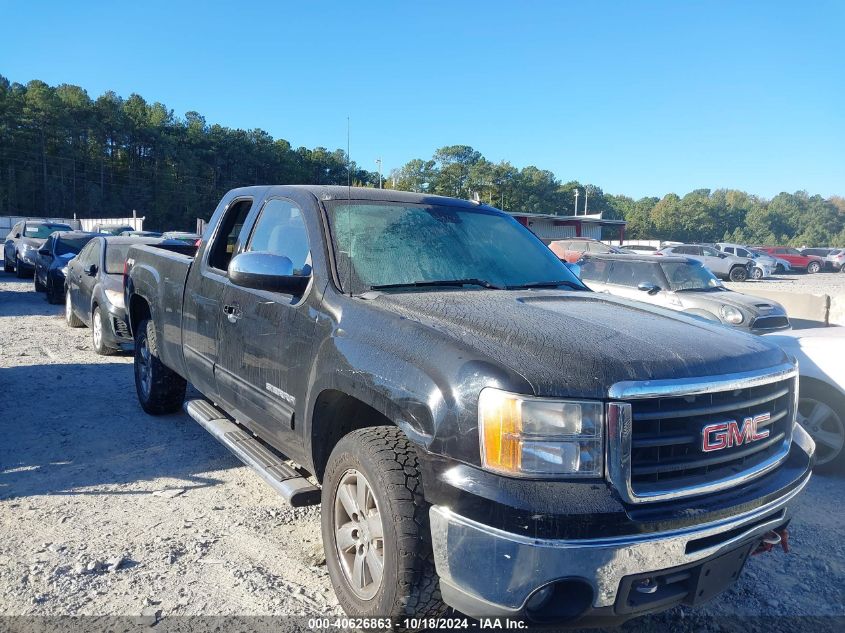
(203, 306)
(266, 338)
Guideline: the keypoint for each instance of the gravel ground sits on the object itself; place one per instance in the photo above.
(106, 511)
(824, 283)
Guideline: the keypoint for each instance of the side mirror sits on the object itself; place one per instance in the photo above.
(264, 271)
(45, 252)
(91, 271)
(575, 269)
(647, 286)
(17, 236)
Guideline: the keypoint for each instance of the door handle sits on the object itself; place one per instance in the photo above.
(233, 312)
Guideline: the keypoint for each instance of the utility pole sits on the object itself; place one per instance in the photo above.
(586, 198)
(576, 202)
(378, 162)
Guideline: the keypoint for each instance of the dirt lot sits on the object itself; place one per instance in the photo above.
(107, 511)
(829, 283)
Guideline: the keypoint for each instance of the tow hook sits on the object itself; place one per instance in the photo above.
(772, 538)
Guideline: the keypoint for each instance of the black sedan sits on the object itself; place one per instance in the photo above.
(52, 259)
(94, 295)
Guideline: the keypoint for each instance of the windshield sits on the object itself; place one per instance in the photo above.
(380, 244)
(71, 245)
(115, 257)
(687, 276)
(42, 231)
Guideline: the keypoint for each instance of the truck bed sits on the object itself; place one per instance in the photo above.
(158, 274)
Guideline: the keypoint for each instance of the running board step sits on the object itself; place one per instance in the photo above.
(283, 478)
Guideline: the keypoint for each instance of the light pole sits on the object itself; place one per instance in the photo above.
(586, 198)
(576, 202)
(378, 162)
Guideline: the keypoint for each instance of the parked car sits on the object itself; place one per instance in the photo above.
(720, 264)
(112, 229)
(182, 236)
(140, 234)
(821, 403)
(487, 433)
(681, 284)
(808, 263)
(52, 260)
(571, 250)
(834, 258)
(781, 265)
(640, 248)
(764, 265)
(22, 244)
(94, 293)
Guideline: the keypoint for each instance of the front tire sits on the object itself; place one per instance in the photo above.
(813, 267)
(375, 527)
(160, 389)
(819, 412)
(53, 295)
(20, 271)
(7, 265)
(70, 318)
(98, 321)
(739, 273)
(39, 287)
(757, 273)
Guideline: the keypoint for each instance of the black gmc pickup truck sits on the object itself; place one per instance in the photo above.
(483, 432)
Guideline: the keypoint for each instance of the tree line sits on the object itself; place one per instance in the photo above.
(63, 153)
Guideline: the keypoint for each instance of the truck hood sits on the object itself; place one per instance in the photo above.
(578, 344)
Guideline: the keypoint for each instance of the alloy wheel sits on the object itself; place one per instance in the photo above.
(97, 330)
(145, 370)
(825, 427)
(359, 535)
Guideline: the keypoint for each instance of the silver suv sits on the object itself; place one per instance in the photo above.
(681, 284)
(720, 264)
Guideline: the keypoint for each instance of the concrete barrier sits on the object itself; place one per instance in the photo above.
(836, 314)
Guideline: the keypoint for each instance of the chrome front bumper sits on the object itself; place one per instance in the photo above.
(488, 572)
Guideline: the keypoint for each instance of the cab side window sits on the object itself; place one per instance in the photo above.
(709, 252)
(225, 242)
(594, 270)
(280, 230)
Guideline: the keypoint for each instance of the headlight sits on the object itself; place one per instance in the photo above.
(115, 298)
(64, 271)
(731, 314)
(524, 436)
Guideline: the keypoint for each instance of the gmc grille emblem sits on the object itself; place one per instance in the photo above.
(715, 437)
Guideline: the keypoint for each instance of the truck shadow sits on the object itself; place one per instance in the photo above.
(77, 429)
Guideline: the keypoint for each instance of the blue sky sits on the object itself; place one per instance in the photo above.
(641, 98)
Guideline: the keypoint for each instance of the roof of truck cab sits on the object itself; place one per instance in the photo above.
(338, 192)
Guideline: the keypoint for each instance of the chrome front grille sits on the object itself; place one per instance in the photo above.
(676, 438)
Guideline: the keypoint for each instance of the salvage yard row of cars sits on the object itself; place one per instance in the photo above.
(413, 356)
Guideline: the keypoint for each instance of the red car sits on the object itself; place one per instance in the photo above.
(574, 248)
(809, 263)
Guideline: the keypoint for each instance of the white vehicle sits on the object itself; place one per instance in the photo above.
(764, 265)
(821, 393)
(781, 265)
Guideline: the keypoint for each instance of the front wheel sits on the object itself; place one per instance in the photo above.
(20, 271)
(7, 265)
(813, 267)
(739, 273)
(39, 287)
(819, 413)
(160, 389)
(98, 322)
(757, 273)
(53, 295)
(70, 318)
(375, 527)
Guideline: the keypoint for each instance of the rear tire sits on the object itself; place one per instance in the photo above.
(98, 321)
(160, 389)
(813, 268)
(70, 318)
(738, 273)
(386, 462)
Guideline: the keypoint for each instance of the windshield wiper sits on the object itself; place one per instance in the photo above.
(547, 284)
(439, 282)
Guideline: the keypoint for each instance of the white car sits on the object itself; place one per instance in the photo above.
(764, 265)
(821, 404)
